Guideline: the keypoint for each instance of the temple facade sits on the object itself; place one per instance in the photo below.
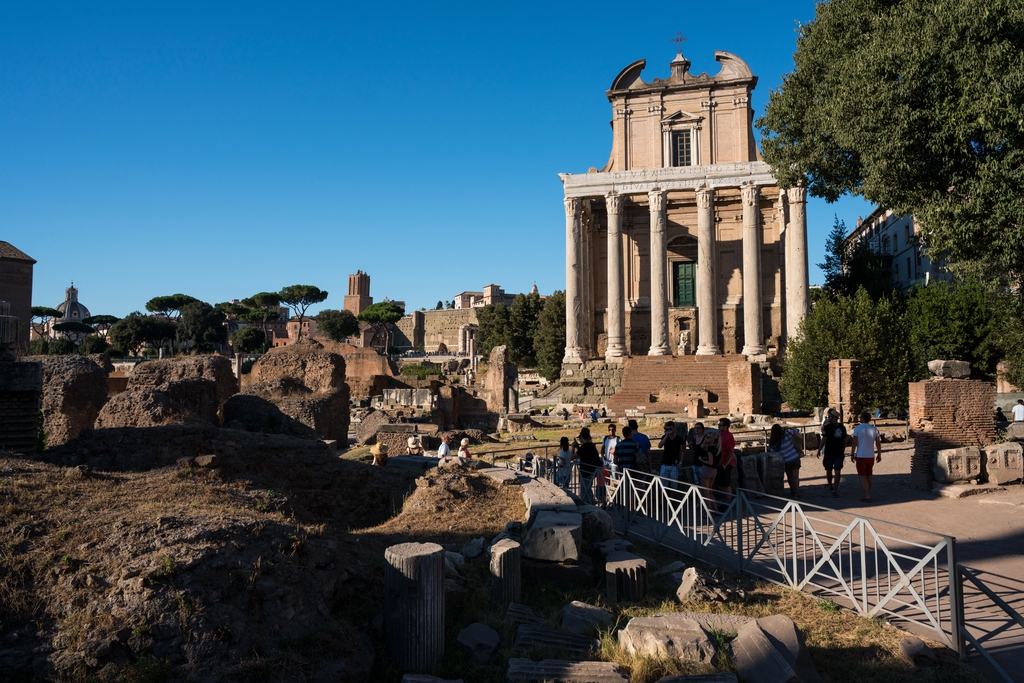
(683, 243)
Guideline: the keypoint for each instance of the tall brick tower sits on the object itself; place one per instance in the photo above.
(358, 297)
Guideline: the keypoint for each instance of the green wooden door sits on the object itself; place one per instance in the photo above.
(683, 280)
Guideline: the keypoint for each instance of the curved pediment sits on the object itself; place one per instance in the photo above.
(733, 68)
(630, 76)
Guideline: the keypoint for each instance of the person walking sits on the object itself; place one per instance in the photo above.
(608, 445)
(866, 450)
(672, 447)
(444, 450)
(783, 441)
(590, 468)
(833, 444)
(727, 460)
(1018, 411)
(643, 443)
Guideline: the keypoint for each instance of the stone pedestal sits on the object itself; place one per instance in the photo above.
(844, 388)
(506, 571)
(625, 577)
(414, 605)
(772, 467)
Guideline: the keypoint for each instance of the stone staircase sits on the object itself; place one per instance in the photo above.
(643, 377)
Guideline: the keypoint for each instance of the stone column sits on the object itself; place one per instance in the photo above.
(659, 285)
(573, 303)
(615, 313)
(796, 243)
(707, 315)
(414, 605)
(753, 334)
(506, 572)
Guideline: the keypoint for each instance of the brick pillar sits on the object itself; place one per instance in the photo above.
(744, 388)
(844, 388)
(947, 413)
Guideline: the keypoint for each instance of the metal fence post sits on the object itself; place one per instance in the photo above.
(956, 599)
(739, 530)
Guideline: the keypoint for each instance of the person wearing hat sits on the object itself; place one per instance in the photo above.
(833, 443)
(464, 449)
(590, 466)
(414, 445)
(380, 455)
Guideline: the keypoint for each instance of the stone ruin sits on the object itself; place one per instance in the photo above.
(21, 385)
(74, 391)
(294, 387)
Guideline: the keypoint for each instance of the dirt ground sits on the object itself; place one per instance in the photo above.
(989, 532)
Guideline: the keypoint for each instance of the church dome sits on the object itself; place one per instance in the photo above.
(71, 309)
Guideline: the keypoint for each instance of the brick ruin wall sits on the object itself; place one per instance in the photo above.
(21, 388)
(438, 326)
(947, 413)
(844, 388)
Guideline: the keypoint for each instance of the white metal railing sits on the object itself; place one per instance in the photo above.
(873, 567)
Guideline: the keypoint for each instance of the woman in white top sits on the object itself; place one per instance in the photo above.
(564, 460)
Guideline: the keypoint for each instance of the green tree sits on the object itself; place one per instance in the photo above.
(337, 325)
(42, 315)
(169, 306)
(959, 322)
(379, 316)
(550, 340)
(494, 328)
(248, 340)
(874, 332)
(131, 333)
(93, 344)
(61, 347)
(439, 306)
(39, 347)
(523, 318)
(915, 105)
(263, 308)
(101, 323)
(202, 325)
(299, 298)
(847, 269)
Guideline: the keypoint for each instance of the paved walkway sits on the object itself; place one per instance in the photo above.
(989, 529)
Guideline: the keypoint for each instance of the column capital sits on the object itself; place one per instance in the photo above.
(573, 206)
(704, 196)
(797, 194)
(657, 200)
(751, 193)
(613, 202)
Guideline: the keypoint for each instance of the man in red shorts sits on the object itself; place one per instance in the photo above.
(866, 450)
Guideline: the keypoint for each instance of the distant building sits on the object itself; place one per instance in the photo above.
(16, 287)
(898, 240)
(358, 297)
(492, 295)
(72, 311)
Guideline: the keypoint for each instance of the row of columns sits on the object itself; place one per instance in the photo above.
(795, 255)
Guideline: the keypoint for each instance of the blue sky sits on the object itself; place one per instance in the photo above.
(222, 149)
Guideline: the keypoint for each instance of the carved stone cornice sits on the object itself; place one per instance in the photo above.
(613, 203)
(641, 181)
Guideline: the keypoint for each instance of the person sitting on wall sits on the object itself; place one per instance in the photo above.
(444, 450)
(464, 449)
(414, 445)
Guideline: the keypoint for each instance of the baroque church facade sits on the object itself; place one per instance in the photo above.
(683, 243)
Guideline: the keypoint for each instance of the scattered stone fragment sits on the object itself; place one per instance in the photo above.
(728, 624)
(561, 671)
(458, 559)
(615, 545)
(757, 660)
(480, 640)
(540, 495)
(554, 537)
(671, 567)
(696, 585)
(528, 637)
(503, 476)
(917, 652)
(521, 614)
(672, 635)
(579, 617)
(206, 461)
(474, 548)
(1004, 462)
(789, 641)
(597, 524)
